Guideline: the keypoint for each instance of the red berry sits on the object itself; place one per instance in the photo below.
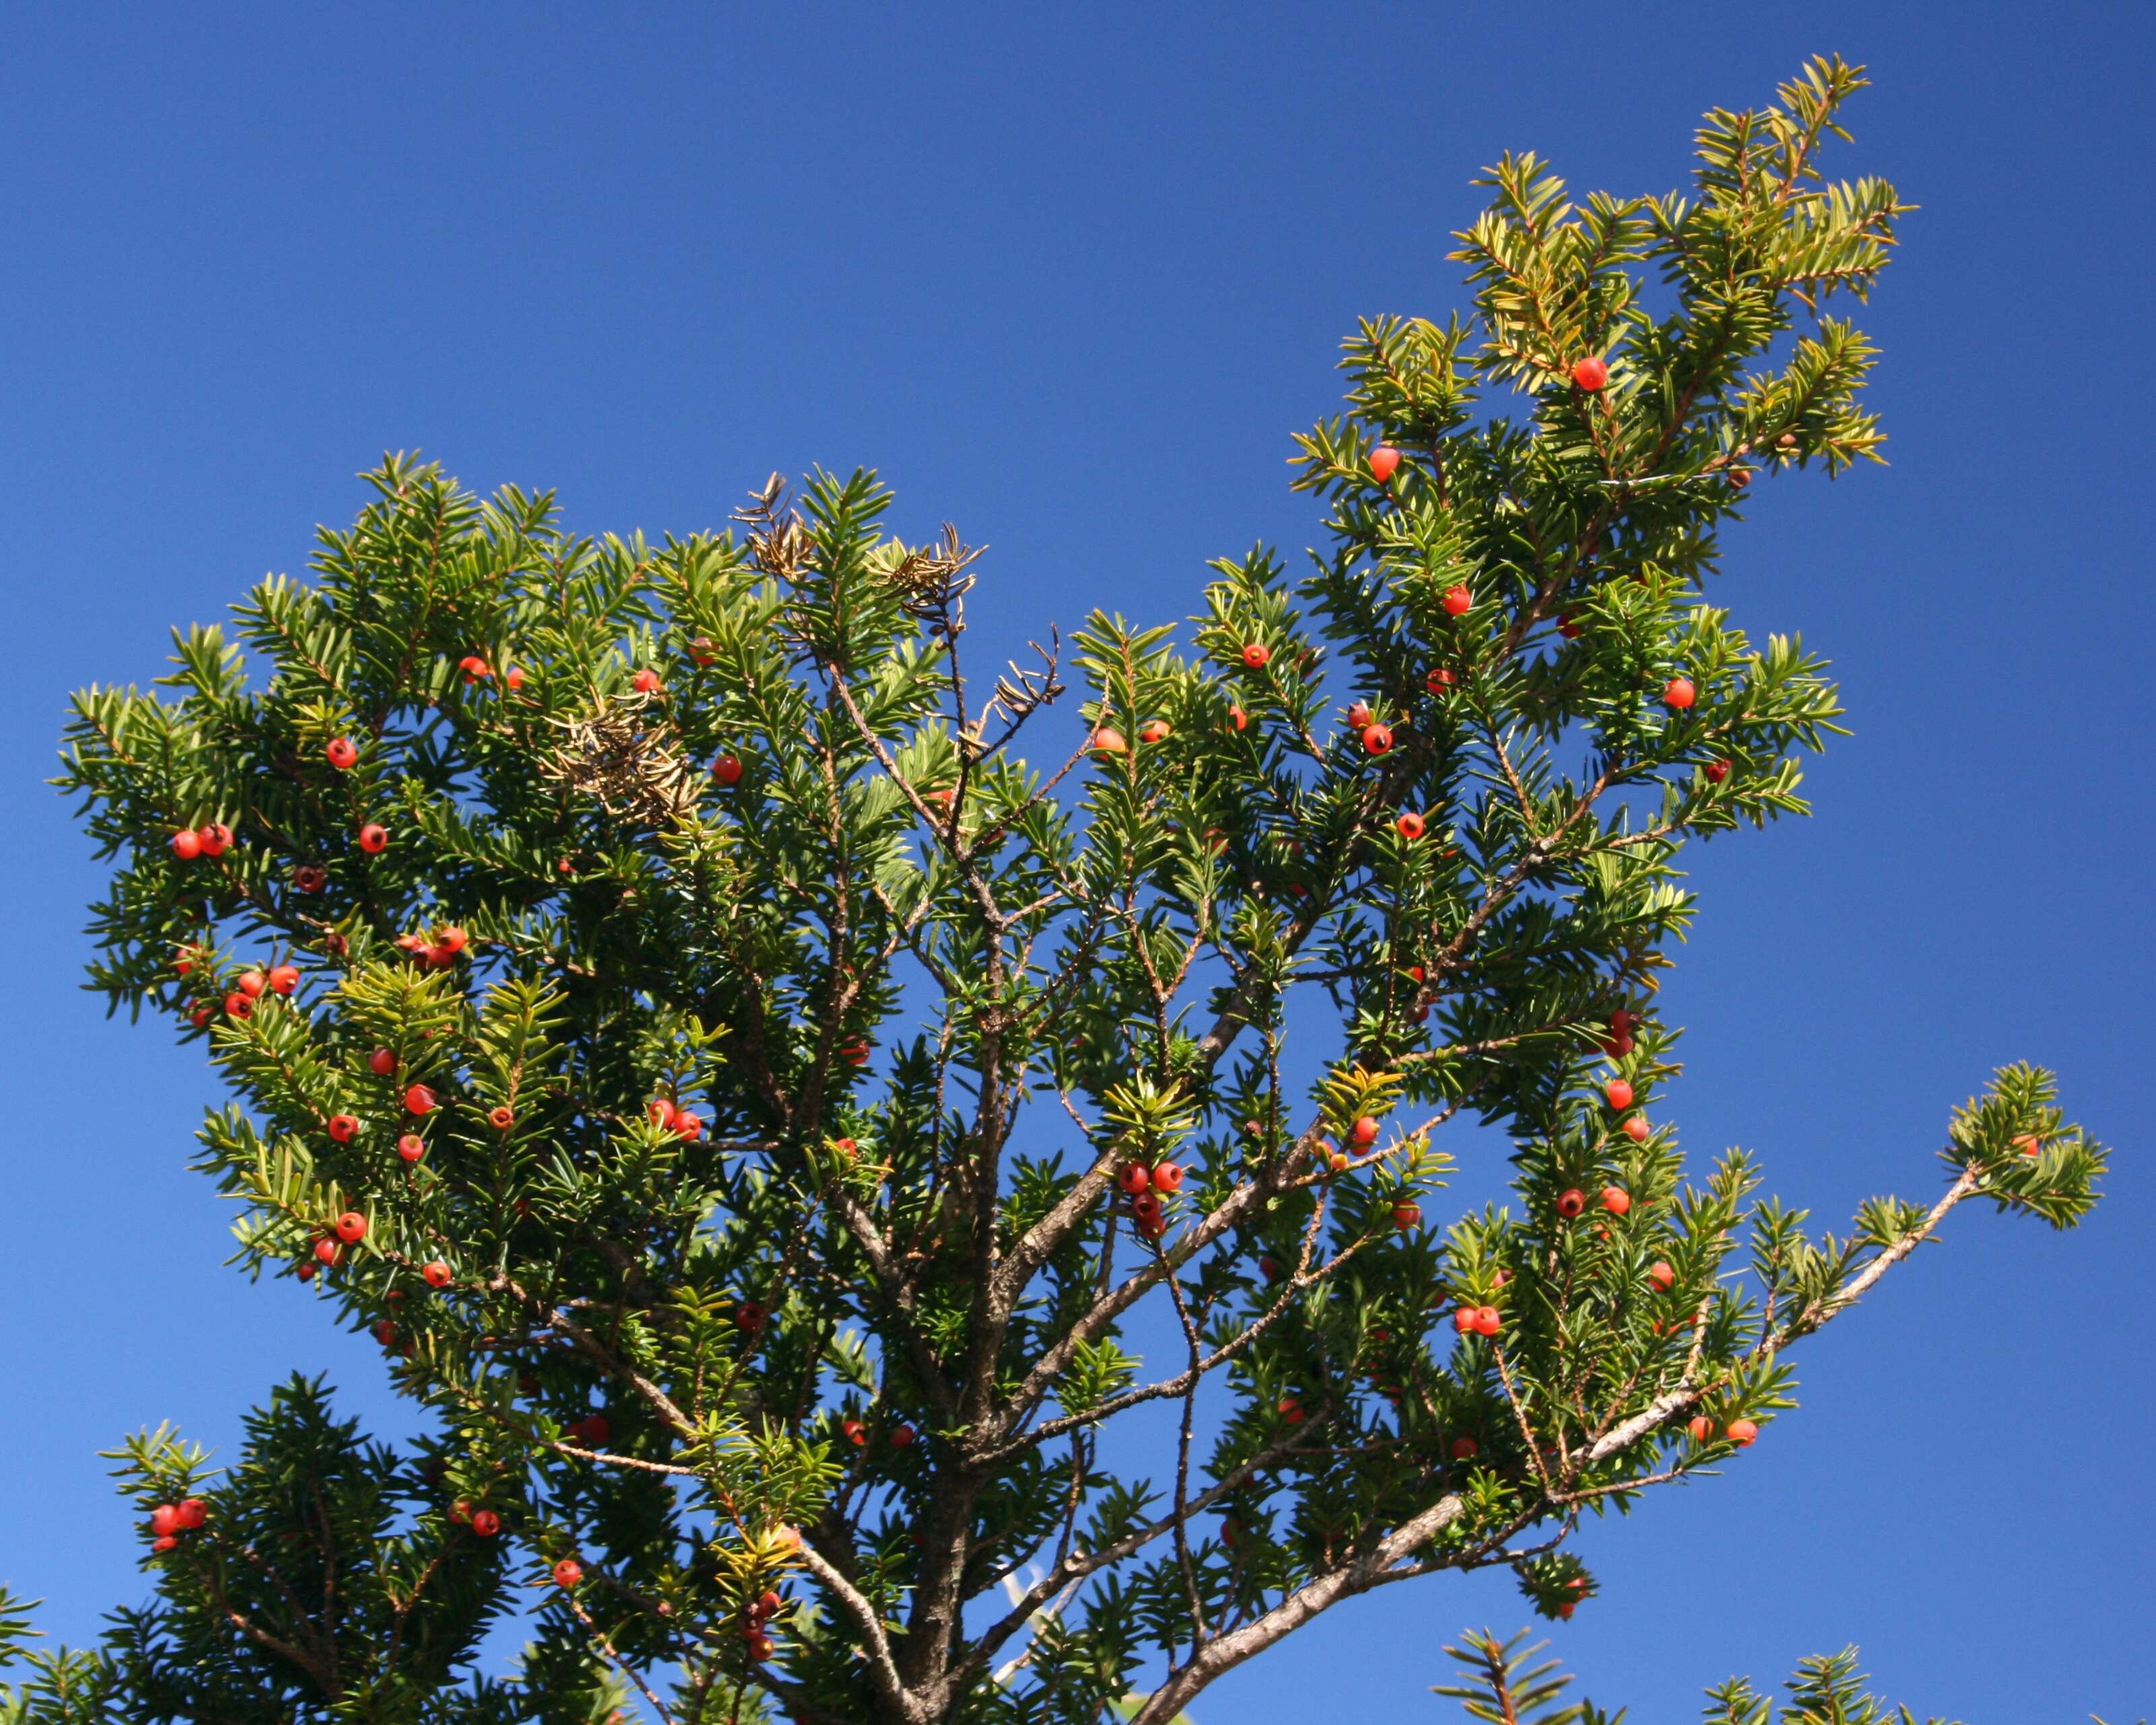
(1716, 770)
(1619, 1094)
(1738, 477)
(1741, 1432)
(381, 1062)
(853, 1051)
(1679, 693)
(767, 1604)
(1488, 1321)
(1364, 1133)
(1290, 1410)
(750, 1316)
(1438, 681)
(597, 1428)
(385, 1332)
(902, 1437)
(856, 1434)
(1663, 1276)
(194, 1512)
(165, 1519)
(1406, 1215)
(419, 1099)
(373, 839)
(1154, 731)
(1464, 1447)
(1384, 461)
(164, 1543)
(1616, 1200)
(485, 1523)
(1458, 602)
(1166, 1177)
(437, 1274)
(645, 681)
(1410, 826)
(761, 1647)
(215, 837)
(453, 939)
(1571, 1201)
(660, 1112)
(307, 878)
(411, 1147)
(186, 844)
(1377, 739)
(1589, 373)
(569, 1573)
(238, 1006)
(1107, 741)
(252, 983)
(200, 1016)
(1636, 1128)
(1237, 717)
(305, 1271)
(343, 1128)
(335, 944)
(704, 650)
(328, 1250)
(284, 978)
(1700, 1427)
(727, 769)
(687, 1124)
(352, 1227)
(342, 752)
(1463, 1319)
(1257, 655)
(1621, 1021)
(2028, 1144)
(1359, 714)
(474, 667)
(502, 1117)
(1145, 1205)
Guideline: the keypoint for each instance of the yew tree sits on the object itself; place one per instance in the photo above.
(885, 1227)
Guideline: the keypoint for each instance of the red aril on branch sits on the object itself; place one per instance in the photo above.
(165, 1519)
(1464, 1449)
(727, 769)
(381, 1062)
(1701, 1429)
(1571, 1201)
(1741, 1432)
(1407, 1214)
(1384, 462)
(411, 1147)
(1678, 693)
(485, 1523)
(567, 1572)
(1716, 770)
(1410, 826)
(1257, 654)
(343, 1128)
(1154, 731)
(252, 983)
(1616, 1200)
(1458, 602)
(192, 1513)
(1377, 739)
(1636, 1128)
(1619, 1093)
(646, 681)
(436, 1274)
(1589, 373)
(1364, 1133)
(373, 838)
(419, 1099)
(352, 1227)
(1661, 1276)
(1107, 739)
(284, 978)
(343, 753)
(1167, 1176)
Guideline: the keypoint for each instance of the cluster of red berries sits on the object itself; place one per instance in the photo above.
(593, 1430)
(1144, 1186)
(485, 1522)
(1477, 1320)
(438, 952)
(213, 840)
(1740, 1432)
(168, 1520)
(669, 1116)
(1572, 1201)
(1619, 1043)
(755, 1625)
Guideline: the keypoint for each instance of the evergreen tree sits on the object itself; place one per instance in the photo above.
(652, 987)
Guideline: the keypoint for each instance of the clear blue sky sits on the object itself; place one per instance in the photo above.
(1071, 276)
